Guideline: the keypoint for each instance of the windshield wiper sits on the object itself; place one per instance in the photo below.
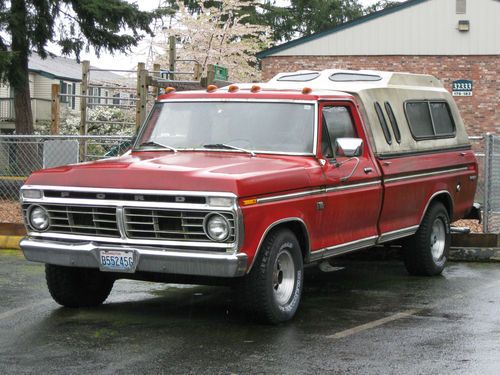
(229, 147)
(154, 143)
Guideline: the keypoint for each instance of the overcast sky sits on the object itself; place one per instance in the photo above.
(129, 61)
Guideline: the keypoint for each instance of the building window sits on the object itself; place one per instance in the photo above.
(69, 91)
(429, 119)
(96, 92)
(64, 90)
(461, 6)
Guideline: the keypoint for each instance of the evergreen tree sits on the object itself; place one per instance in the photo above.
(28, 26)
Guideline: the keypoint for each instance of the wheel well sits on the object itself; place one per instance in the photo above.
(445, 199)
(298, 228)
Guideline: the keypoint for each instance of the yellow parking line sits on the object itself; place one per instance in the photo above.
(10, 242)
(13, 178)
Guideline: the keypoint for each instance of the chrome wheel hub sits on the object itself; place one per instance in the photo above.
(283, 277)
(438, 239)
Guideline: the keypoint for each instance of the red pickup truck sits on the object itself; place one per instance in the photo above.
(244, 185)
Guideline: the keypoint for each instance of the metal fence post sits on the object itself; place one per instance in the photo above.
(487, 180)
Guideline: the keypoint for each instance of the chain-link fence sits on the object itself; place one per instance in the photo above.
(22, 155)
(492, 184)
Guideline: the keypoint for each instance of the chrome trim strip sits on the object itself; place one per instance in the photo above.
(130, 241)
(245, 100)
(252, 100)
(427, 174)
(395, 234)
(131, 191)
(434, 196)
(353, 186)
(273, 225)
(348, 247)
(290, 196)
(120, 222)
(170, 262)
(317, 191)
(139, 204)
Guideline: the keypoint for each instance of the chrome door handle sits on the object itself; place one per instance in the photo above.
(368, 170)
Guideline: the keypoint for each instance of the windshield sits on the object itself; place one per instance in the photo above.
(253, 126)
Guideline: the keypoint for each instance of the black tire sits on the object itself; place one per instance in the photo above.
(271, 291)
(426, 252)
(77, 287)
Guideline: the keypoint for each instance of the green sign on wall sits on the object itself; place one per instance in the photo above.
(221, 73)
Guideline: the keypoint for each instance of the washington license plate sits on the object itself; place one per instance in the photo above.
(116, 261)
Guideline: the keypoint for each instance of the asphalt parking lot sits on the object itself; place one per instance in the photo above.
(368, 318)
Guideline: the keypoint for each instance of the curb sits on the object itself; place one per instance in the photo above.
(10, 242)
(475, 254)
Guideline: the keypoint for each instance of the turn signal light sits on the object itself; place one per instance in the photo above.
(211, 88)
(168, 90)
(248, 202)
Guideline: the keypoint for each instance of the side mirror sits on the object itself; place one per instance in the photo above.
(348, 147)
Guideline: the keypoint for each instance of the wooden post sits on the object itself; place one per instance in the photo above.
(197, 72)
(142, 94)
(55, 110)
(172, 56)
(210, 74)
(84, 88)
(156, 70)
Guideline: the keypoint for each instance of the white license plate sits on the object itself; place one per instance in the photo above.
(116, 260)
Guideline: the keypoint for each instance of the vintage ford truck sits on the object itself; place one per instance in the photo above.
(245, 184)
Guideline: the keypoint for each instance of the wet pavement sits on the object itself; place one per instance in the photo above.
(368, 318)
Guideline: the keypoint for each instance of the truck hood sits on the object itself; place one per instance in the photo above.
(237, 173)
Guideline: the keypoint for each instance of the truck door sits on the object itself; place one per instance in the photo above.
(353, 189)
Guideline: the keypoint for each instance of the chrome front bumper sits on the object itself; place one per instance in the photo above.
(161, 261)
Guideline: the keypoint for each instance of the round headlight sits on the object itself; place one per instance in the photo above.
(217, 227)
(39, 218)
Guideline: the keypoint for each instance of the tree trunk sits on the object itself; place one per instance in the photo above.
(19, 74)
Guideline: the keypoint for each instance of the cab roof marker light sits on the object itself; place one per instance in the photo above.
(169, 89)
(233, 88)
(255, 88)
(306, 90)
(211, 88)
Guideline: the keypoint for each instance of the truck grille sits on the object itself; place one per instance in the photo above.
(81, 220)
(170, 224)
(139, 223)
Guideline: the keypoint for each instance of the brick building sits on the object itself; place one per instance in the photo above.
(454, 40)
